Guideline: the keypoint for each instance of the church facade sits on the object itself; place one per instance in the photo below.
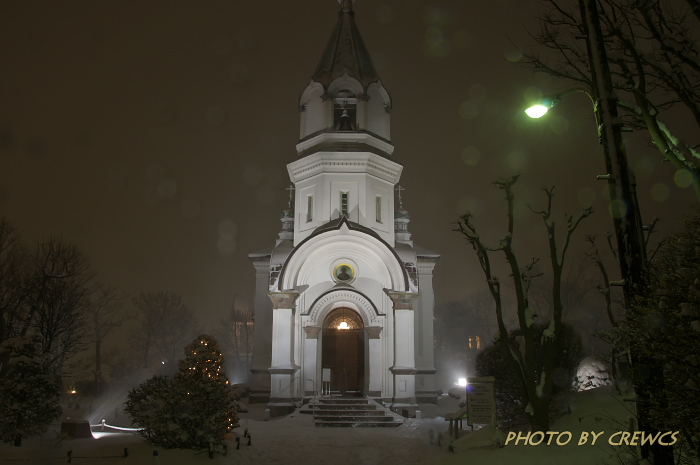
(344, 298)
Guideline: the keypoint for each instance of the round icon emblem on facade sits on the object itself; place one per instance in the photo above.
(344, 273)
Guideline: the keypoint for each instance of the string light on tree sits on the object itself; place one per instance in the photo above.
(203, 358)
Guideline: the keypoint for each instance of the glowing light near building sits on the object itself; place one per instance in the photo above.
(462, 382)
(343, 325)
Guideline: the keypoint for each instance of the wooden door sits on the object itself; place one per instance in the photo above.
(343, 353)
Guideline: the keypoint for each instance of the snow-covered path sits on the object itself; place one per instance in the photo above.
(289, 440)
(295, 440)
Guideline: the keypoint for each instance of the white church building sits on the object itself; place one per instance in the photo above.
(344, 298)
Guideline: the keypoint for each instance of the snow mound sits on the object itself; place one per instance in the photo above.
(593, 372)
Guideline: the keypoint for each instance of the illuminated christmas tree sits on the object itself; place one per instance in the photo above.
(192, 409)
(203, 360)
(203, 357)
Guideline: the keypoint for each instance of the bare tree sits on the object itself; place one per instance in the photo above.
(535, 380)
(59, 299)
(164, 326)
(462, 328)
(578, 297)
(654, 63)
(236, 336)
(106, 312)
(13, 286)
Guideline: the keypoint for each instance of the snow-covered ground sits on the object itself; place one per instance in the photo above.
(294, 440)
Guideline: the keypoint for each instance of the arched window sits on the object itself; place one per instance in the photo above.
(343, 318)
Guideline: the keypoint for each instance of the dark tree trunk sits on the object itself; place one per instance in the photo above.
(646, 372)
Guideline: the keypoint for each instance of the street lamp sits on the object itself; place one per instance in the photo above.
(623, 196)
(537, 111)
(544, 104)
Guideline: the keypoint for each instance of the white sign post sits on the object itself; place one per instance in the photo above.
(326, 380)
(481, 401)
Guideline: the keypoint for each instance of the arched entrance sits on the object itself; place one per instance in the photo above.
(344, 351)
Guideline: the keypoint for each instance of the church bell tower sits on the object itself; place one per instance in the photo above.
(344, 298)
(345, 166)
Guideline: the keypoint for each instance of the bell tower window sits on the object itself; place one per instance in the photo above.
(378, 209)
(345, 111)
(309, 208)
(344, 204)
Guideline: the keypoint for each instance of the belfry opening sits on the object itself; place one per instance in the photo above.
(343, 353)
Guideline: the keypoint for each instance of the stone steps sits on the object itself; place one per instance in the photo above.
(343, 412)
(353, 407)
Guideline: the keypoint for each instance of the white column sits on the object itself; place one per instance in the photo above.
(404, 369)
(376, 359)
(262, 336)
(282, 369)
(425, 359)
(311, 383)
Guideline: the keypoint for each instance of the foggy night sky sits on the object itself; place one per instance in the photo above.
(149, 132)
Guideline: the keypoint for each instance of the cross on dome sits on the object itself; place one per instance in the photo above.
(346, 5)
(291, 193)
(399, 189)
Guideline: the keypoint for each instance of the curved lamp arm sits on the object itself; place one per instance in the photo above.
(540, 109)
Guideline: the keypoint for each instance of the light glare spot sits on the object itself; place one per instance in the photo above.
(471, 156)
(436, 16)
(660, 192)
(683, 178)
(558, 124)
(533, 94)
(477, 93)
(433, 36)
(225, 246)
(252, 175)
(227, 229)
(514, 55)
(468, 110)
(384, 14)
(515, 159)
(617, 209)
(167, 188)
(643, 168)
(435, 43)
(469, 204)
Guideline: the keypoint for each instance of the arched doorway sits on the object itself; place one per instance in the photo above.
(343, 351)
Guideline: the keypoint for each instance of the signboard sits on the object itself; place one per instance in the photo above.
(481, 401)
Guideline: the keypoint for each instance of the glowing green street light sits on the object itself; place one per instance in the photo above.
(543, 106)
(537, 111)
